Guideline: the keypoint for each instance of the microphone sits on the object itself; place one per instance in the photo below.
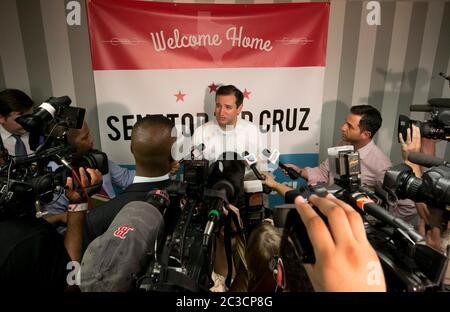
(224, 186)
(251, 161)
(421, 108)
(196, 152)
(368, 206)
(213, 217)
(426, 160)
(159, 199)
(274, 157)
(222, 191)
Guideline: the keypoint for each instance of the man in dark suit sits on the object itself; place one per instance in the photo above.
(13, 138)
(151, 144)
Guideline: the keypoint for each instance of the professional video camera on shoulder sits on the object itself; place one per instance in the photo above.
(28, 182)
(55, 110)
(433, 188)
(438, 127)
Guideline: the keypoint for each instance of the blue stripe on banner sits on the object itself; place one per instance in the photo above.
(302, 160)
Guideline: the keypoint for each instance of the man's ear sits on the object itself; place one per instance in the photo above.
(240, 108)
(2, 119)
(131, 149)
(367, 134)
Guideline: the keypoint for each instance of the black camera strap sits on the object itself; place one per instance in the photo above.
(227, 242)
(231, 217)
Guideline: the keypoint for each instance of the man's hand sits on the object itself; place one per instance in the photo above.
(424, 213)
(75, 217)
(295, 167)
(435, 237)
(233, 225)
(345, 260)
(76, 197)
(55, 219)
(411, 144)
(428, 146)
(268, 180)
(274, 185)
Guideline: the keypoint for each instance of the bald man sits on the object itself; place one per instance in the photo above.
(151, 144)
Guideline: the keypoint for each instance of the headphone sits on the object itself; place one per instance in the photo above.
(277, 267)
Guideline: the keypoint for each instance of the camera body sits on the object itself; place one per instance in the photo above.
(437, 128)
(254, 211)
(27, 183)
(433, 188)
(408, 264)
(56, 110)
(185, 256)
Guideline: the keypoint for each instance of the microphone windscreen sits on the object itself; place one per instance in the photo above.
(266, 153)
(424, 160)
(62, 100)
(421, 108)
(201, 147)
(123, 250)
(229, 167)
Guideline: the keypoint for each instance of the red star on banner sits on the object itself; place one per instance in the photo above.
(213, 87)
(246, 94)
(180, 96)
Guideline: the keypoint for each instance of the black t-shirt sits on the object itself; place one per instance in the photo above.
(32, 255)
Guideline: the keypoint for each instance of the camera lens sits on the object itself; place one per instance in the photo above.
(402, 180)
(411, 186)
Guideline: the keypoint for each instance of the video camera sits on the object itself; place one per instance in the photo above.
(27, 182)
(408, 263)
(438, 127)
(55, 110)
(433, 188)
(185, 257)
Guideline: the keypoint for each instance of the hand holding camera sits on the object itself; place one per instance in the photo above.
(345, 260)
(75, 196)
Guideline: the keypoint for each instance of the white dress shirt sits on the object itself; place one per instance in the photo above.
(9, 142)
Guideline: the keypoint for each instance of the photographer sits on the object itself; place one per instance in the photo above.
(117, 176)
(412, 143)
(14, 139)
(32, 254)
(430, 225)
(81, 141)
